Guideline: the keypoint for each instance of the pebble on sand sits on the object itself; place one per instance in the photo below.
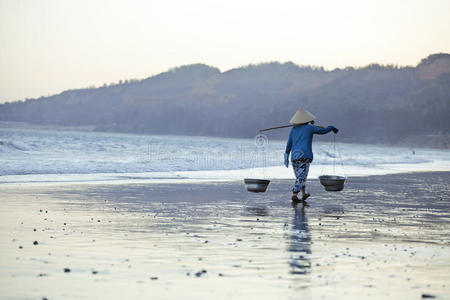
(200, 273)
(35, 243)
(66, 270)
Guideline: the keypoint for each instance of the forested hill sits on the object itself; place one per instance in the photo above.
(380, 104)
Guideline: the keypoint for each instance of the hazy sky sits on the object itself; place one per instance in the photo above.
(50, 46)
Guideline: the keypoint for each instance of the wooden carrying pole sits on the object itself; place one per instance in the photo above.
(261, 130)
(284, 126)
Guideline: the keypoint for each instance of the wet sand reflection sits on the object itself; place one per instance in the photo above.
(299, 242)
(382, 237)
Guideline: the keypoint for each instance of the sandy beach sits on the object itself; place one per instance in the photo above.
(381, 237)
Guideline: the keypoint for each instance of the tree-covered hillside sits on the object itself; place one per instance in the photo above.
(381, 104)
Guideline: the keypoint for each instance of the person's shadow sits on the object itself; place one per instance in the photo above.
(299, 242)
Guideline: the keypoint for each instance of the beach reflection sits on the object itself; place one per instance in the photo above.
(382, 237)
(257, 211)
(299, 242)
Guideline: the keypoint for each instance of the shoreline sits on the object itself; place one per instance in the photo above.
(158, 181)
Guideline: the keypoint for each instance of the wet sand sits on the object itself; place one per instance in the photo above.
(382, 237)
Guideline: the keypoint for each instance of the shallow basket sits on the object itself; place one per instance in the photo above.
(256, 185)
(332, 183)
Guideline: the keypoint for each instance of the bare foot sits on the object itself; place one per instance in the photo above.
(305, 196)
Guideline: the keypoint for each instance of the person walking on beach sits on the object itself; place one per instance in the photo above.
(299, 145)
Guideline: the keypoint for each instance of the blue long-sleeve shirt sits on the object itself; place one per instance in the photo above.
(300, 140)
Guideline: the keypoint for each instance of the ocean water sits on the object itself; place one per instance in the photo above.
(47, 156)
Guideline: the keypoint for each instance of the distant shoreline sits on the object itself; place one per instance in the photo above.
(421, 141)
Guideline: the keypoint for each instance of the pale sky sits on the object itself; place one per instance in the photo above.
(48, 46)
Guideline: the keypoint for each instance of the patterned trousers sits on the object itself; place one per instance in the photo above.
(301, 169)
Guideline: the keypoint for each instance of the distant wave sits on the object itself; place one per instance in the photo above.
(38, 155)
(329, 154)
(12, 145)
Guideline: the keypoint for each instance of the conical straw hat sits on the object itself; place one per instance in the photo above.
(302, 116)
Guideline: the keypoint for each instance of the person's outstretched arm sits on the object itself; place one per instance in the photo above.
(322, 130)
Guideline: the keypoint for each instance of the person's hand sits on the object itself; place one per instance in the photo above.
(335, 130)
(286, 160)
